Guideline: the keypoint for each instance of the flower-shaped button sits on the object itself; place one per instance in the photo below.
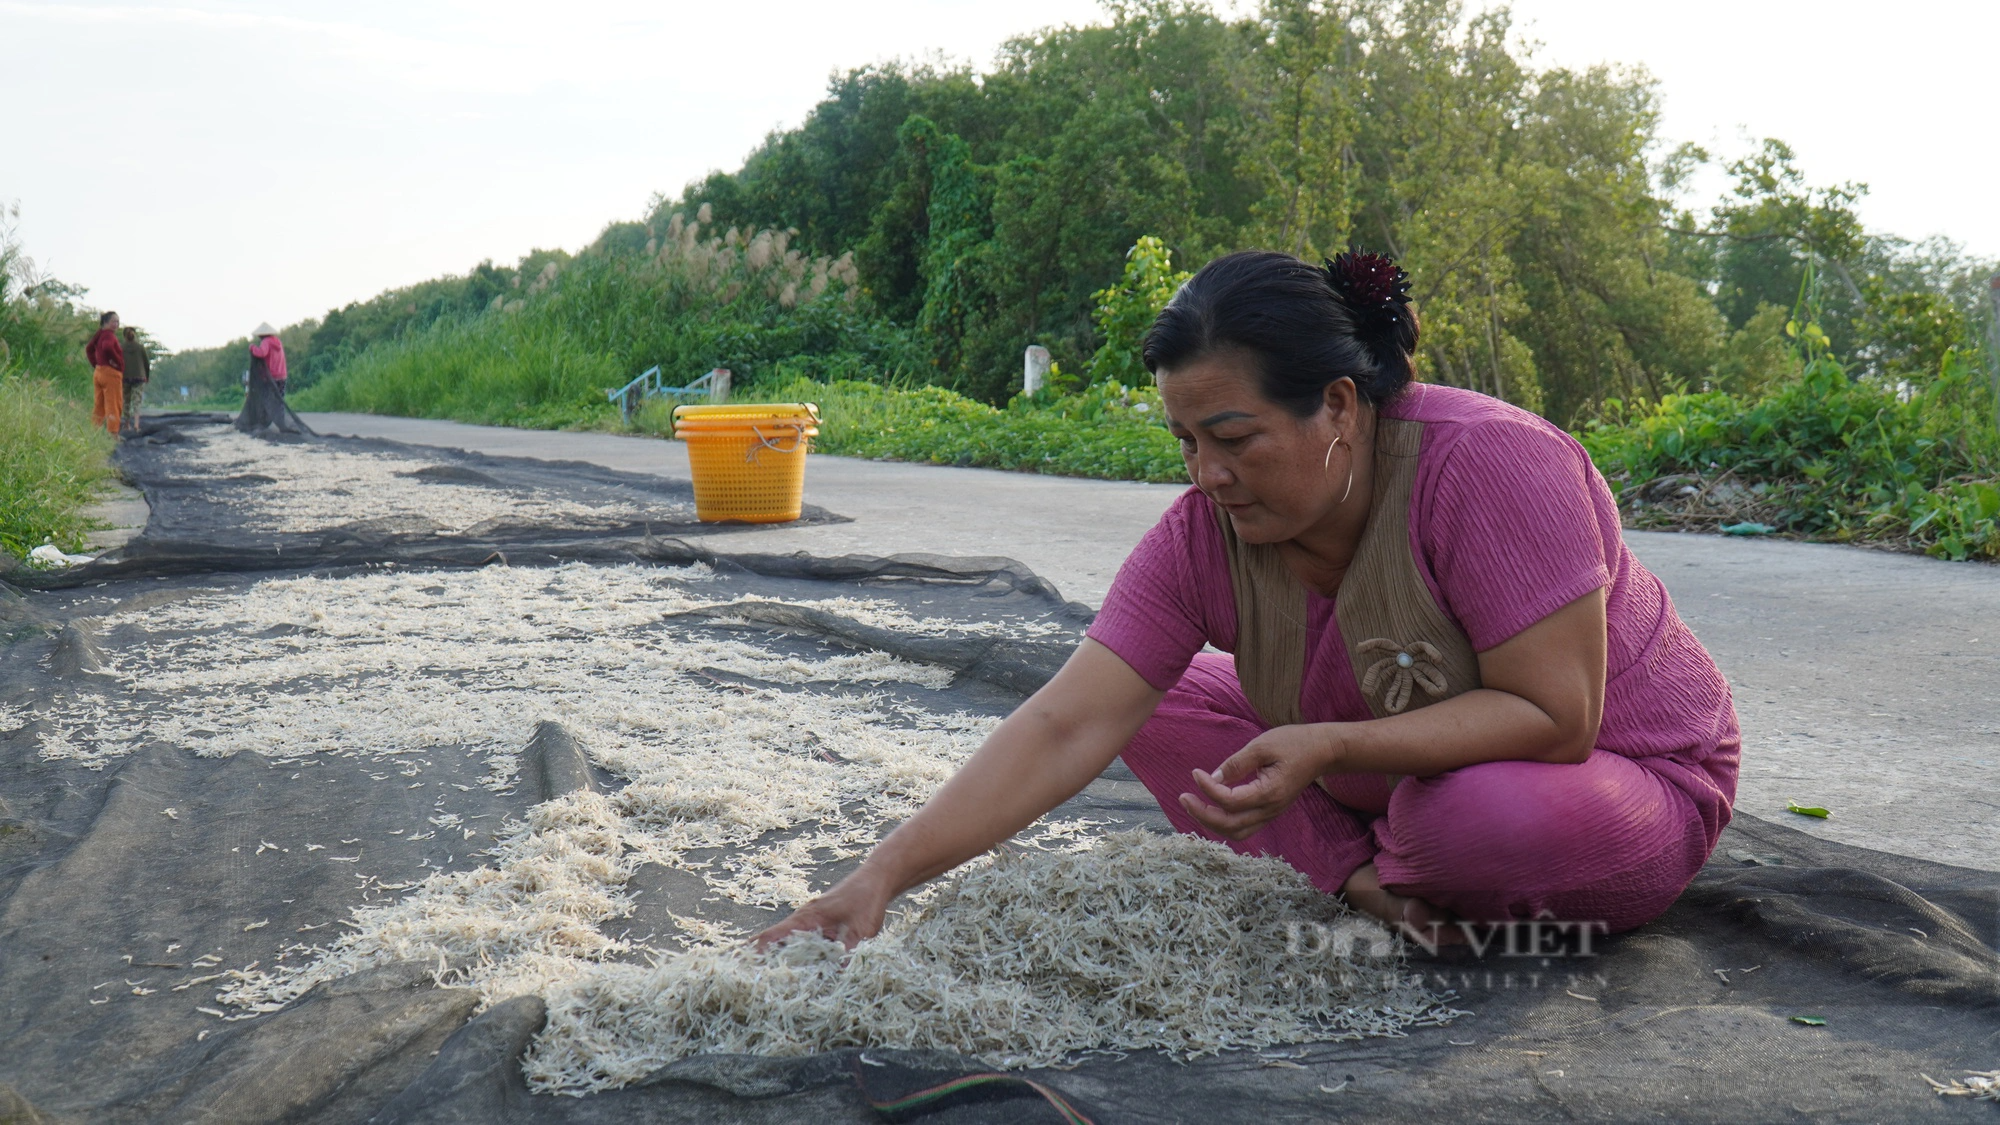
(1400, 669)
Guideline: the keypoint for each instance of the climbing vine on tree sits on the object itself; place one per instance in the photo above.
(1126, 310)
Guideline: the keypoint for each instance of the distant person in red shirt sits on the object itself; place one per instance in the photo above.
(138, 372)
(269, 352)
(108, 359)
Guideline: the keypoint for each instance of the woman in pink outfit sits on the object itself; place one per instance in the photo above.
(1444, 687)
(267, 356)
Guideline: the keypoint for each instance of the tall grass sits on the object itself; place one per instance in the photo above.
(42, 331)
(496, 369)
(692, 300)
(53, 463)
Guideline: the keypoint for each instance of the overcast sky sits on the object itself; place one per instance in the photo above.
(206, 164)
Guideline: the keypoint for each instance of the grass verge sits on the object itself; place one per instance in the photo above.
(53, 464)
(1107, 432)
(498, 371)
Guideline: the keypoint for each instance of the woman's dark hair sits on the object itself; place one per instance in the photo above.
(1307, 327)
(105, 318)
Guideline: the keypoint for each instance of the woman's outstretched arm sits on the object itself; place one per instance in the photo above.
(1040, 756)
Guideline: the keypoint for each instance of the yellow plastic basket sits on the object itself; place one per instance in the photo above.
(748, 459)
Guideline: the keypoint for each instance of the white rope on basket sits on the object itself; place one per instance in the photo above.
(763, 442)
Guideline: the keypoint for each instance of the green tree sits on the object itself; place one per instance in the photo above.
(1126, 130)
(1439, 191)
(1608, 319)
(891, 256)
(1127, 310)
(1300, 94)
(1907, 332)
(1763, 238)
(1555, 266)
(957, 299)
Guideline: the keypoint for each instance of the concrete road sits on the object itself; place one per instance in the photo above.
(1867, 682)
(123, 511)
(1072, 532)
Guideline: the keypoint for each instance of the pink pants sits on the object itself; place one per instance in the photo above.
(1607, 840)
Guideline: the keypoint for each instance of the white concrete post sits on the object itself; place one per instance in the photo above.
(1035, 364)
(718, 385)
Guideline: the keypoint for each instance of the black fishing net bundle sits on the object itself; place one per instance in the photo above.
(265, 411)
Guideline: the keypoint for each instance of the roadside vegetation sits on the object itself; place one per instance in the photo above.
(544, 353)
(923, 224)
(1908, 462)
(1108, 431)
(53, 463)
(1103, 428)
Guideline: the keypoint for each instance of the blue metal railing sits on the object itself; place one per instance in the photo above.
(714, 386)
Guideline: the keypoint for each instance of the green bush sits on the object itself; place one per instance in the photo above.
(1108, 432)
(53, 463)
(1827, 457)
(1126, 311)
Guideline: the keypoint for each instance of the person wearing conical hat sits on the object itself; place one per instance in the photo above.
(264, 391)
(269, 351)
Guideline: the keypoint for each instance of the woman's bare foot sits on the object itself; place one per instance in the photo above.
(1413, 916)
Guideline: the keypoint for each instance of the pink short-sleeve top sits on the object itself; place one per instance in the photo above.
(1509, 521)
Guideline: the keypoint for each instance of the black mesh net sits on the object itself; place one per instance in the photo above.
(142, 870)
(265, 411)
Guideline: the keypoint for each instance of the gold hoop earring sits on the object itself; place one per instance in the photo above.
(1326, 466)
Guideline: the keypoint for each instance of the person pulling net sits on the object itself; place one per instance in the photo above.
(264, 405)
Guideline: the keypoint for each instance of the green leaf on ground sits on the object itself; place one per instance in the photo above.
(1807, 810)
(1746, 529)
(1810, 1021)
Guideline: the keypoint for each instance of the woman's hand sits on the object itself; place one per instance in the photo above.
(1263, 779)
(1038, 757)
(850, 913)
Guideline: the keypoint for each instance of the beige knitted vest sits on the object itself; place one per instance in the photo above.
(1406, 651)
